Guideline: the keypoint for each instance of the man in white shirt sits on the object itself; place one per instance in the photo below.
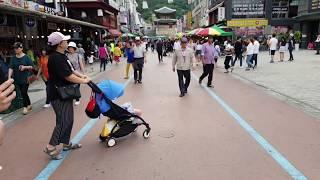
(256, 46)
(176, 45)
(273, 43)
(139, 60)
(182, 61)
(250, 49)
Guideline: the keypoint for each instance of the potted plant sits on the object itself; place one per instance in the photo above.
(297, 38)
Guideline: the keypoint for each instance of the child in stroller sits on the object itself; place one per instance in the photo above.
(123, 120)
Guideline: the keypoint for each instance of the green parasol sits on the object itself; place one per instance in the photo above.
(221, 31)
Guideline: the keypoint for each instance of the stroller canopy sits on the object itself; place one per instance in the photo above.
(112, 90)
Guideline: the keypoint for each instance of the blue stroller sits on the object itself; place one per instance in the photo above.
(121, 122)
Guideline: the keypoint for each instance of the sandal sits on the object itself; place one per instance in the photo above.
(71, 147)
(53, 153)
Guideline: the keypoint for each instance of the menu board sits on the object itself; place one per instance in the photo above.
(248, 9)
(315, 5)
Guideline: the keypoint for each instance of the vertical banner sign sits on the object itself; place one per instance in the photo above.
(221, 13)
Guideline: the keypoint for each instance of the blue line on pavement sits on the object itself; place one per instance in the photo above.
(277, 156)
(54, 164)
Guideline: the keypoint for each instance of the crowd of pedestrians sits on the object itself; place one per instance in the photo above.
(63, 65)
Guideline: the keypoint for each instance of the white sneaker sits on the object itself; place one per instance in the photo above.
(77, 103)
(25, 111)
(47, 106)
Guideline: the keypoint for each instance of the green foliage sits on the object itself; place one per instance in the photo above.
(285, 36)
(297, 36)
(181, 6)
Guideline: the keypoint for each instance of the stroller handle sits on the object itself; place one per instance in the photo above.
(94, 87)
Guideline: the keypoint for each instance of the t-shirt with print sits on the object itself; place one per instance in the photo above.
(59, 68)
(20, 77)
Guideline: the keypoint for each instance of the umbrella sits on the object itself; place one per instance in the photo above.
(195, 31)
(128, 35)
(179, 34)
(208, 32)
(220, 30)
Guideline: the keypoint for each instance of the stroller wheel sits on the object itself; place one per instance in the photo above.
(111, 142)
(146, 134)
(103, 139)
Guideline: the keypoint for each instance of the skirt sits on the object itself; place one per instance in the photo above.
(282, 49)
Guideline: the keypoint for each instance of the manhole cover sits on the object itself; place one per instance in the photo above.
(35, 90)
(166, 134)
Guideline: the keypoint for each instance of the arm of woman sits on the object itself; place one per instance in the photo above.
(78, 74)
(29, 65)
(40, 71)
(78, 80)
(81, 65)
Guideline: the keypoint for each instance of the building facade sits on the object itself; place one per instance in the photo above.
(130, 19)
(309, 20)
(165, 22)
(200, 14)
(31, 22)
(255, 17)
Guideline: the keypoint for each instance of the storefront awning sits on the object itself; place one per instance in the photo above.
(114, 32)
(49, 16)
(216, 7)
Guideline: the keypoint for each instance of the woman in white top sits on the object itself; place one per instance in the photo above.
(250, 49)
(198, 52)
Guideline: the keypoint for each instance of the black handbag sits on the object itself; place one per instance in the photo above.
(69, 92)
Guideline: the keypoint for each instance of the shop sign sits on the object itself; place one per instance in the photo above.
(247, 9)
(221, 13)
(30, 22)
(280, 10)
(47, 10)
(15, 3)
(247, 22)
(315, 5)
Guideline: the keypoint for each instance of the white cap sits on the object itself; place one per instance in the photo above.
(72, 44)
(137, 38)
(56, 38)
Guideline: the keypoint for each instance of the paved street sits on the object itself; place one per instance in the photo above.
(295, 82)
(221, 133)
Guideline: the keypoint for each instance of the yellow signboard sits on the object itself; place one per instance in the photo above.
(247, 22)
